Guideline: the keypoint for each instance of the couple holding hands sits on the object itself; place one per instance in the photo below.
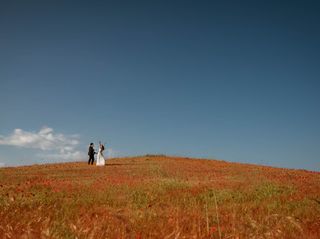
(100, 158)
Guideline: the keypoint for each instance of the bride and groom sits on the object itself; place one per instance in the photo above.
(100, 158)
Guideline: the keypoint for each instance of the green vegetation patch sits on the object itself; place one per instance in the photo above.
(271, 190)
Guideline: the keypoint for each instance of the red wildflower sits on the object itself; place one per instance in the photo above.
(213, 229)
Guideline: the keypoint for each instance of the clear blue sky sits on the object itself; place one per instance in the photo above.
(233, 80)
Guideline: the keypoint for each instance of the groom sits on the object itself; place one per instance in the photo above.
(91, 154)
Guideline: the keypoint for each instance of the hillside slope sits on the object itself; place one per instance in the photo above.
(158, 197)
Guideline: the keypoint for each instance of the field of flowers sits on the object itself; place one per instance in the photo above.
(159, 197)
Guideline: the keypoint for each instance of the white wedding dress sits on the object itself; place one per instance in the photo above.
(100, 159)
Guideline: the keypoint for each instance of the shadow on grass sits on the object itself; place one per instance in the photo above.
(119, 164)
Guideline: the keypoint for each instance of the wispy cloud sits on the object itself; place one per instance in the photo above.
(110, 153)
(52, 145)
(66, 156)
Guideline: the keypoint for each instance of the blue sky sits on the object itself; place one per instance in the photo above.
(232, 80)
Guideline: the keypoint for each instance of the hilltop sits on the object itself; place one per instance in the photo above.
(158, 197)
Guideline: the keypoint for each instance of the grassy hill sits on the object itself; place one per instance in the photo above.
(158, 197)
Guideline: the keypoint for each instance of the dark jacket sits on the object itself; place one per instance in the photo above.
(91, 151)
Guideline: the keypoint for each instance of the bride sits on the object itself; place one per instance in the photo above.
(100, 157)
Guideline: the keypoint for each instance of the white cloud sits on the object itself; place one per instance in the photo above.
(2, 164)
(66, 156)
(45, 139)
(56, 145)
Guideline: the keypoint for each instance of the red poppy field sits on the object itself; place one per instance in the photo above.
(158, 197)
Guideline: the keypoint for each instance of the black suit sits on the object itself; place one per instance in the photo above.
(91, 155)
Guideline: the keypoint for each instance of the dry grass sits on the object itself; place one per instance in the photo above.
(158, 197)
